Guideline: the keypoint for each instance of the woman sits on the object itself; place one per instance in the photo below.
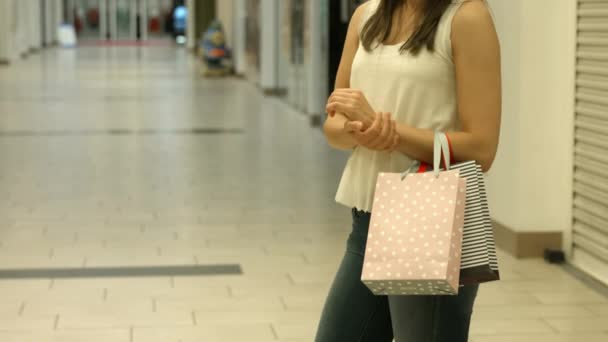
(409, 68)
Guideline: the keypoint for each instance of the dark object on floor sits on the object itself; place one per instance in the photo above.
(554, 256)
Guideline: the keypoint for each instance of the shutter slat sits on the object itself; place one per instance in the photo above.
(590, 109)
(595, 139)
(586, 178)
(590, 165)
(597, 55)
(591, 194)
(594, 12)
(593, 124)
(591, 220)
(594, 82)
(589, 232)
(591, 152)
(592, 207)
(592, 95)
(597, 25)
(593, 67)
(592, 40)
(591, 247)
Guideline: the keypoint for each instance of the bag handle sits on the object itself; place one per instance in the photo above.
(441, 148)
(441, 144)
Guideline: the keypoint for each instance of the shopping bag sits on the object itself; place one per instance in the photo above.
(415, 234)
(479, 262)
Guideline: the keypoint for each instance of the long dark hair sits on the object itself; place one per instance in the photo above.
(378, 27)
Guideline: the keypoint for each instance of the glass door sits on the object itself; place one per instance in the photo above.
(156, 14)
(126, 14)
(85, 15)
(126, 20)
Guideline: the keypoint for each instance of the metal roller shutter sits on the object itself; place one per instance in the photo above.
(590, 229)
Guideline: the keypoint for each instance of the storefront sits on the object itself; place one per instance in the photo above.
(292, 48)
(23, 26)
(126, 20)
(281, 46)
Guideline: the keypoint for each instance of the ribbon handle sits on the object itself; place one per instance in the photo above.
(441, 148)
(441, 139)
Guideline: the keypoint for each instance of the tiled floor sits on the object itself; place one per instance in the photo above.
(125, 157)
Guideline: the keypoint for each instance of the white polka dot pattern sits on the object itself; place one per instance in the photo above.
(415, 235)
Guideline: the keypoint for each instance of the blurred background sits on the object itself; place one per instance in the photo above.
(164, 177)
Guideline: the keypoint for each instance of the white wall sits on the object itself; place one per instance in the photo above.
(191, 25)
(239, 34)
(530, 184)
(317, 65)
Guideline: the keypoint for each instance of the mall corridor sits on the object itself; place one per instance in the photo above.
(141, 202)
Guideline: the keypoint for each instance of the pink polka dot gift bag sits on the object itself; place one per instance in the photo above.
(416, 229)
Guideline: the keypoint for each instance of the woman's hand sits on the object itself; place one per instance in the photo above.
(380, 136)
(353, 104)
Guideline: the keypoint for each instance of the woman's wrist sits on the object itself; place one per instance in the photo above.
(369, 121)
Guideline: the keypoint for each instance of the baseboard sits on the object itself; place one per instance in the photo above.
(526, 244)
(274, 91)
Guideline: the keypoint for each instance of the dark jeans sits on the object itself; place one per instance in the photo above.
(353, 314)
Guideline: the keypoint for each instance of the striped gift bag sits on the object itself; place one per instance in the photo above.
(479, 262)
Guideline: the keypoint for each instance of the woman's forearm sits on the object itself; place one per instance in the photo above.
(335, 134)
(418, 144)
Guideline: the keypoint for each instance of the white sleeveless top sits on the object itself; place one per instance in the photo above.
(419, 91)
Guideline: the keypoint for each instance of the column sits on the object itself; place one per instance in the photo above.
(6, 8)
(59, 18)
(35, 24)
(317, 65)
(113, 19)
(133, 24)
(269, 31)
(191, 24)
(143, 24)
(49, 21)
(21, 42)
(103, 19)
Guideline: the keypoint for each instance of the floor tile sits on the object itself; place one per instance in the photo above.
(515, 326)
(531, 312)
(579, 325)
(207, 332)
(125, 157)
(598, 309)
(541, 338)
